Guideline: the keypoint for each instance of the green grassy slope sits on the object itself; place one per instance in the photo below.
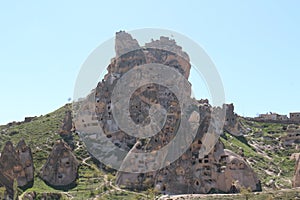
(265, 153)
(261, 147)
(41, 134)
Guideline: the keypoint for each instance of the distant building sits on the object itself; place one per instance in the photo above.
(268, 116)
(283, 117)
(273, 116)
(295, 116)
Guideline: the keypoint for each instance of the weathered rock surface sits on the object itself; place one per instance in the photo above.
(67, 126)
(16, 164)
(61, 168)
(232, 123)
(125, 43)
(67, 129)
(293, 136)
(25, 157)
(216, 171)
(192, 172)
(296, 179)
(10, 163)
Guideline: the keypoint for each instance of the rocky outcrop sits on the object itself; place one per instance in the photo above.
(16, 164)
(238, 171)
(61, 169)
(293, 136)
(125, 43)
(29, 119)
(296, 179)
(232, 123)
(67, 129)
(217, 171)
(67, 125)
(196, 170)
(25, 157)
(29, 196)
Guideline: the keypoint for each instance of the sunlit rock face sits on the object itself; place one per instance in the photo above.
(67, 126)
(232, 123)
(296, 180)
(61, 168)
(194, 171)
(25, 156)
(16, 164)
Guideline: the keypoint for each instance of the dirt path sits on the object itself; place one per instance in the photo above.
(206, 196)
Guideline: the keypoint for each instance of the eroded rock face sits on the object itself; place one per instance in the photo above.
(192, 172)
(25, 157)
(67, 129)
(232, 123)
(296, 179)
(293, 136)
(61, 168)
(239, 171)
(67, 126)
(125, 43)
(8, 160)
(16, 163)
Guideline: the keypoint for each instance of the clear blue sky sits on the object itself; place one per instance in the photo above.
(255, 46)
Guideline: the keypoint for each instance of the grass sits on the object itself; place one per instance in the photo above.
(270, 195)
(93, 183)
(40, 135)
(276, 160)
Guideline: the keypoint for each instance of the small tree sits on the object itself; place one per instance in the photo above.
(16, 189)
(150, 193)
(245, 192)
(2, 192)
(270, 197)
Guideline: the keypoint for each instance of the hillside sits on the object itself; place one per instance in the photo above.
(185, 156)
(264, 149)
(262, 146)
(40, 134)
(43, 157)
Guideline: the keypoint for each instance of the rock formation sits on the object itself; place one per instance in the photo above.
(25, 157)
(296, 180)
(16, 164)
(6, 176)
(293, 136)
(216, 171)
(67, 129)
(232, 123)
(67, 126)
(192, 172)
(61, 168)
